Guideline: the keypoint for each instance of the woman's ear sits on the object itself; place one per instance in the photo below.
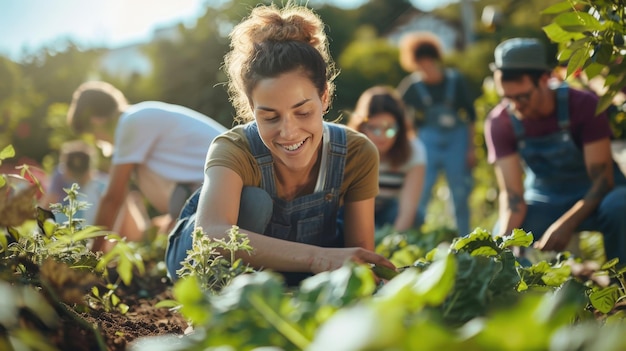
(325, 103)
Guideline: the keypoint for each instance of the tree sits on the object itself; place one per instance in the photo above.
(591, 36)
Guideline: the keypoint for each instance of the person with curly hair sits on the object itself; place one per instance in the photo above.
(442, 112)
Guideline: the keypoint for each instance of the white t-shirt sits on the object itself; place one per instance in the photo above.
(169, 140)
(391, 182)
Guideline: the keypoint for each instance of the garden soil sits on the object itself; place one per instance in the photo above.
(117, 330)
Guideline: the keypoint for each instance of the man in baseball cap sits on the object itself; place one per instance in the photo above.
(552, 155)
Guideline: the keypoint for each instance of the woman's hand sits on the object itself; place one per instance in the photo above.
(328, 259)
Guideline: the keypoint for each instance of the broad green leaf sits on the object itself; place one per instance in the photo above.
(518, 237)
(115, 300)
(557, 34)
(435, 283)
(557, 8)
(578, 22)
(3, 180)
(578, 60)
(123, 308)
(187, 290)
(556, 276)
(7, 152)
(593, 70)
(564, 55)
(605, 101)
(604, 300)
(125, 270)
(603, 54)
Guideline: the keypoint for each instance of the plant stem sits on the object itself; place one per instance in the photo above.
(284, 327)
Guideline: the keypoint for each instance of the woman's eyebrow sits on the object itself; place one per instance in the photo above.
(265, 108)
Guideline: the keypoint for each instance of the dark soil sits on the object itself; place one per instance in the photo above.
(116, 330)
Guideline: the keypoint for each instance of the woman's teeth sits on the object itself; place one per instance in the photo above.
(293, 147)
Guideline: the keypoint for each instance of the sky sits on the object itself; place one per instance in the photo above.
(27, 25)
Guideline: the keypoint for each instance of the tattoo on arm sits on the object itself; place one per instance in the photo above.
(515, 200)
(600, 184)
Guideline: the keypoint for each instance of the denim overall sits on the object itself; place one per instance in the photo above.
(556, 178)
(309, 219)
(445, 137)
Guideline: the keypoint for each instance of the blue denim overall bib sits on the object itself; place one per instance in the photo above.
(445, 137)
(309, 219)
(556, 178)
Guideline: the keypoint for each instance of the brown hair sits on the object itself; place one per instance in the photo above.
(94, 99)
(384, 99)
(77, 158)
(273, 41)
(418, 45)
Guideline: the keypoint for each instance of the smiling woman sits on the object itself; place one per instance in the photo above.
(284, 175)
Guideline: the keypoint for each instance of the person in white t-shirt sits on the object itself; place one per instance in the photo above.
(161, 146)
(380, 114)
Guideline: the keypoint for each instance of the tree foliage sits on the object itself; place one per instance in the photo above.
(591, 36)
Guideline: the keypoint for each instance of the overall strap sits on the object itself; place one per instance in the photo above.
(263, 157)
(518, 127)
(450, 87)
(562, 105)
(338, 149)
(427, 100)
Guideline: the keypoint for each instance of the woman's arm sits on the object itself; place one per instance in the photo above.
(409, 198)
(218, 209)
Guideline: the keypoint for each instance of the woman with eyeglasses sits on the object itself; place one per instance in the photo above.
(380, 115)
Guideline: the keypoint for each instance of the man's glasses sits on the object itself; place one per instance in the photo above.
(522, 98)
(378, 131)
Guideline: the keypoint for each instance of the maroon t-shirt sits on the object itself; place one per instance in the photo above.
(585, 126)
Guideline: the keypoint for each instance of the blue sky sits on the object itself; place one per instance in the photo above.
(26, 25)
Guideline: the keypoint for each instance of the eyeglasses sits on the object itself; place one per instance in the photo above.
(522, 98)
(378, 131)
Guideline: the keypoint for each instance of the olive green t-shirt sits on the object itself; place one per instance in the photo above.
(360, 180)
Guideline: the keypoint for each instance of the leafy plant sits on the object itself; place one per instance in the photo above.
(206, 260)
(591, 36)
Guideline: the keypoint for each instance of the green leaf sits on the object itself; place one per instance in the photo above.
(115, 300)
(518, 237)
(167, 304)
(605, 101)
(557, 8)
(558, 35)
(610, 264)
(125, 270)
(578, 60)
(604, 300)
(7, 152)
(593, 70)
(603, 54)
(123, 308)
(384, 272)
(578, 22)
(437, 281)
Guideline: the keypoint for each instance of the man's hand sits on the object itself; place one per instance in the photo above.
(556, 238)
